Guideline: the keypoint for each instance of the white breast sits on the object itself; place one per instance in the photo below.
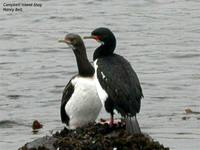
(101, 92)
(84, 105)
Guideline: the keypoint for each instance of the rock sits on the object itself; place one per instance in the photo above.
(95, 136)
(44, 143)
(36, 125)
(189, 111)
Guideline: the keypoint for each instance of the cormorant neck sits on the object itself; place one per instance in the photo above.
(85, 69)
(105, 49)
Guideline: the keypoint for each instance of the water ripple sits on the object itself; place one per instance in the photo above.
(11, 124)
(183, 56)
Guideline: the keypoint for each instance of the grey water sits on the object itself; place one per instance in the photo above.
(160, 38)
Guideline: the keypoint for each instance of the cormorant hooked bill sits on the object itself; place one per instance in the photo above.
(117, 83)
(80, 102)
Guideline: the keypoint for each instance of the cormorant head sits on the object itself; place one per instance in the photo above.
(74, 41)
(102, 35)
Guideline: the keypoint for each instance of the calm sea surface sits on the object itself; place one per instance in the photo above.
(160, 38)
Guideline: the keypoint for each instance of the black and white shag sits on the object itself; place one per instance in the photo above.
(80, 102)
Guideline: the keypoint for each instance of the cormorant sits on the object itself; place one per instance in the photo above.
(80, 102)
(117, 83)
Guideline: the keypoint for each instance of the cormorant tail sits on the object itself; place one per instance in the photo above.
(132, 125)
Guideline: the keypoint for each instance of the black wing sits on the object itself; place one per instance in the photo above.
(121, 83)
(67, 93)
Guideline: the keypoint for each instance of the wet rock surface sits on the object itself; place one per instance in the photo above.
(95, 137)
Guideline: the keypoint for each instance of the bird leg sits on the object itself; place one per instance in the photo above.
(111, 119)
